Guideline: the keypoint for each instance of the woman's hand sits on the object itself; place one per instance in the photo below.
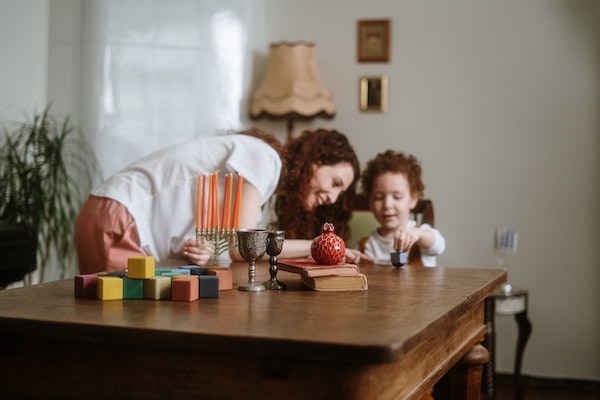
(355, 256)
(194, 254)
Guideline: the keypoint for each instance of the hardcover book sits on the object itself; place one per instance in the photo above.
(336, 283)
(309, 267)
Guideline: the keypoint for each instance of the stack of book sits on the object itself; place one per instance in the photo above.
(327, 278)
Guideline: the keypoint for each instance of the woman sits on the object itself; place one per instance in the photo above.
(148, 208)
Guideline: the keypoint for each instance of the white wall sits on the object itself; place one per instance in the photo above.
(499, 99)
(23, 57)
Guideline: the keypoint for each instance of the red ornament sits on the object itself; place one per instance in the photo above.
(328, 248)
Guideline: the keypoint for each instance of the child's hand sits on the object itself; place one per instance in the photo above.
(194, 254)
(405, 237)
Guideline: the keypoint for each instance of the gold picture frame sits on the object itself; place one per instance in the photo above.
(374, 40)
(373, 93)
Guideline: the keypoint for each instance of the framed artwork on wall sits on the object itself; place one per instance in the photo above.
(373, 93)
(374, 40)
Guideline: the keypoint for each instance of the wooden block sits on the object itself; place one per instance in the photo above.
(157, 288)
(225, 277)
(110, 288)
(133, 288)
(184, 288)
(140, 267)
(160, 271)
(195, 270)
(209, 286)
(119, 274)
(181, 271)
(86, 286)
(172, 274)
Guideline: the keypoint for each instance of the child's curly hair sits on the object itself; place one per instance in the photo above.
(320, 147)
(392, 161)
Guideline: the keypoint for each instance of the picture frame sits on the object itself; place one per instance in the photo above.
(373, 93)
(374, 40)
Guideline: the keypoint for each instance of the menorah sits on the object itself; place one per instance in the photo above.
(214, 233)
(216, 241)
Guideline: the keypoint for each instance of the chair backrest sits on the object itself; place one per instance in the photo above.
(363, 222)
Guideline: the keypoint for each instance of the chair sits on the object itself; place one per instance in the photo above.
(18, 246)
(363, 222)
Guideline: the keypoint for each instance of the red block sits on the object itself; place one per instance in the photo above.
(185, 288)
(225, 277)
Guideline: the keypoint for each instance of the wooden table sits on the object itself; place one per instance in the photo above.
(393, 341)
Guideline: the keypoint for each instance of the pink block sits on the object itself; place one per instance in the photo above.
(185, 288)
(225, 277)
(86, 286)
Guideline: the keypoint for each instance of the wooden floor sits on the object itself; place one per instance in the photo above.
(544, 389)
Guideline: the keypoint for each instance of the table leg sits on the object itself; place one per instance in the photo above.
(524, 332)
(489, 342)
(463, 381)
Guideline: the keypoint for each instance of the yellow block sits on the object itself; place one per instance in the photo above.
(110, 288)
(140, 267)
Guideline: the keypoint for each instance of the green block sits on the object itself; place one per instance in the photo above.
(133, 288)
(160, 271)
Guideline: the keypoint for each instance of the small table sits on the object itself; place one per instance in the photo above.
(500, 303)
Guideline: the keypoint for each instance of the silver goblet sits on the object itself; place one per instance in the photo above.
(274, 247)
(252, 244)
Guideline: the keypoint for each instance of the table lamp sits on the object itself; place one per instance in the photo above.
(291, 88)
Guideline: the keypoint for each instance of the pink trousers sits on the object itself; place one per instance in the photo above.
(105, 236)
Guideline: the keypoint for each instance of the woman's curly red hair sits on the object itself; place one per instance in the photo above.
(300, 154)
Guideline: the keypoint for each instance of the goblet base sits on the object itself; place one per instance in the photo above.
(252, 287)
(274, 284)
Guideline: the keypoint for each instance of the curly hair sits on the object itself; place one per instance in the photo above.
(392, 161)
(300, 154)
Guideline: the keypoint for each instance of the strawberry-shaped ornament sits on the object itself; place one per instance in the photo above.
(328, 248)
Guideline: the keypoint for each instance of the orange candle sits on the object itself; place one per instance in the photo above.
(199, 202)
(229, 196)
(225, 194)
(216, 221)
(238, 202)
(203, 204)
(209, 197)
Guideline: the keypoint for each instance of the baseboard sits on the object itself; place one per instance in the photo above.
(528, 381)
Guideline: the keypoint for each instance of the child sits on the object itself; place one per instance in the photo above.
(392, 183)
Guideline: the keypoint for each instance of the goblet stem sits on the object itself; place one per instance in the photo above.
(274, 283)
(252, 286)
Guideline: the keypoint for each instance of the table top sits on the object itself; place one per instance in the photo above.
(375, 326)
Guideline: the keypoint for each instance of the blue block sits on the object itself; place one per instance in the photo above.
(180, 271)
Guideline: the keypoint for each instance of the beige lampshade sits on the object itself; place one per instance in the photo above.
(291, 87)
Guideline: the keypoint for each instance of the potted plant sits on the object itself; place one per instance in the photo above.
(47, 170)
